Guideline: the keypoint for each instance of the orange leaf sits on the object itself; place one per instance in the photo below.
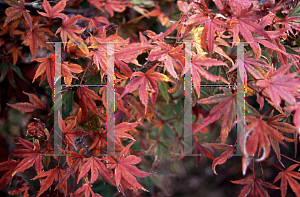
(36, 39)
(17, 9)
(35, 103)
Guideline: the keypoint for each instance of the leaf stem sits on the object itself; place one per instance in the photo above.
(85, 72)
(274, 165)
(288, 158)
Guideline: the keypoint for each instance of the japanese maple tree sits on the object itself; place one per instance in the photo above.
(199, 37)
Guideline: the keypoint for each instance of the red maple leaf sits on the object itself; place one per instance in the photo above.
(69, 132)
(244, 24)
(170, 56)
(146, 82)
(279, 84)
(226, 107)
(51, 175)
(86, 97)
(96, 167)
(32, 155)
(121, 129)
(123, 168)
(55, 11)
(259, 133)
(8, 166)
(224, 156)
(75, 162)
(35, 103)
(68, 30)
(254, 187)
(85, 190)
(287, 177)
(197, 71)
(212, 25)
(110, 6)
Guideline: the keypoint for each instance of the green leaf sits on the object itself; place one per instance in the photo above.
(18, 71)
(178, 107)
(4, 71)
(68, 99)
(296, 11)
(267, 55)
(163, 87)
(290, 50)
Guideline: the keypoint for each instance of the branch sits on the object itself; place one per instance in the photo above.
(38, 6)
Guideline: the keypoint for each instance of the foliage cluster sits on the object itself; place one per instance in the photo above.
(150, 66)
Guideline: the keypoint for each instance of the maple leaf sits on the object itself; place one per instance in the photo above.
(24, 188)
(75, 162)
(11, 30)
(66, 70)
(51, 175)
(32, 155)
(68, 30)
(118, 102)
(211, 26)
(99, 59)
(290, 23)
(36, 39)
(16, 10)
(38, 129)
(124, 169)
(35, 103)
(162, 17)
(86, 97)
(259, 132)
(226, 107)
(170, 56)
(282, 85)
(183, 6)
(110, 6)
(254, 187)
(204, 150)
(244, 24)
(128, 54)
(252, 66)
(8, 166)
(69, 132)
(96, 167)
(117, 6)
(85, 190)
(296, 119)
(120, 130)
(146, 81)
(55, 11)
(16, 52)
(48, 64)
(224, 156)
(286, 177)
(197, 71)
